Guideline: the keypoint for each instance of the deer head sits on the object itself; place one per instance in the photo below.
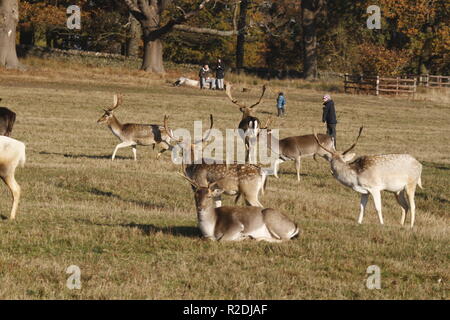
(188, 145)
(247, 111)
(203, 194)
(344, 156)
(107, 116)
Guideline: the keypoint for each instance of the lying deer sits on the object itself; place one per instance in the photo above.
(234, 179)
(238, 223)
(133, 134)
(12, 154)
(397, 173)
(297, 147)
(249, 124)
(7, 119)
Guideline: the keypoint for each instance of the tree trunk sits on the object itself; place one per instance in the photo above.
(9, 16)
(153, 56)
(133, 38)
(240, 42)
(309, 15)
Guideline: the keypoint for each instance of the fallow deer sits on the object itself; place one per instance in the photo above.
(7, 120)
(133, 134)
(249, 124)
(230, 223)
(297, 147)
(244, 180)
(12, 154)
(397, 173)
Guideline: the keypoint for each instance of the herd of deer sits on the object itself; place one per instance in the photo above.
(368, 175)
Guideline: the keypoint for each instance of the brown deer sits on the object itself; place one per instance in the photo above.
(230, 223)
(397, 173)
(234, 179)
(7, 120)
(133, 134)
(250, 125)
(297, 147)
(12, 154)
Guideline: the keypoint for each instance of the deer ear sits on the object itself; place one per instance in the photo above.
(347, 157)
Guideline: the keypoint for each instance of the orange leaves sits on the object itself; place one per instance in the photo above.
(378, 60)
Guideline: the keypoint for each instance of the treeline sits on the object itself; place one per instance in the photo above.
(304, 36)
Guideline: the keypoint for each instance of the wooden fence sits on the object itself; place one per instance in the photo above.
(431, 81)
(379, 85)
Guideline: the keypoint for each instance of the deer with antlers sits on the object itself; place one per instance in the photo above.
(133, 134)
(397, 173)
(238, 223)
(244, 180)
(250, 125)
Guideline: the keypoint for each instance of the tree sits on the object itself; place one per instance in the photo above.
(240, 42)
(311, 9)
(9, 17)
(150, 14)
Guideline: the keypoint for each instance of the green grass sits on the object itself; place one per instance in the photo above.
(131, 226)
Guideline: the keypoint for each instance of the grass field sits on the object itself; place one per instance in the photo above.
(131, 226)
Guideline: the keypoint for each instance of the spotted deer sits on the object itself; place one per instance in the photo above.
(230, 223)
(397, 173)
(133, 134)
(12, 154)
(234, 179)
(250, 125)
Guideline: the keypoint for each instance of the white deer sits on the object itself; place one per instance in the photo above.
(397, 173)
(12, 154)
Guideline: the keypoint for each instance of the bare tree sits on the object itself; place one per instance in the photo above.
(9, 17)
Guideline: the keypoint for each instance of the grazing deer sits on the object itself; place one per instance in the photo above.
(7, 120)
(297, 147)
(12, 153)
(238, 223)
(249, 124)
(234, 179)
(397, 173)
(133, 134)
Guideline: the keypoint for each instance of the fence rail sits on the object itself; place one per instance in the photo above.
(379, 85)
(431, 81)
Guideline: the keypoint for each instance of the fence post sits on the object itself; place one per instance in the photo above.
(414, 90)
(377, 86)
(345, 82)
(427, 77)
(396, 91)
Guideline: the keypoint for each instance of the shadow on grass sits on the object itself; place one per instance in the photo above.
(427, 197)
(87, 156)
(440, 166)
(178, 231)
(109, 194)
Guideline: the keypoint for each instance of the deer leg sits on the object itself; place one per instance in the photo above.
(410, 190)
(362, 205)
(15, 191)
(233, 233)
(376, 194)
(134, 152)
(400, 196)
(297, 167)
(276, 166)
(217, 202)
(121, 145)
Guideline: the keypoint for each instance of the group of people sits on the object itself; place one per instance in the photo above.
(206, 76)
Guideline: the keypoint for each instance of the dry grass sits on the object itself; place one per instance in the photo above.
(131, 226)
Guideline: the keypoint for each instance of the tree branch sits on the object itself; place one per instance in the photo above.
(186, 28)
(134, 10)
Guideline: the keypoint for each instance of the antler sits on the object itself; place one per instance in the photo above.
(228, 91)
(211, 120)
(356, 141)
(192, 182)
(268, 122)
(320, 144)
(260, 98)
(169, 132)
(117, 100)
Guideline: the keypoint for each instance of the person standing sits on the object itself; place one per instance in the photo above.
(220, 74)
(329, 116)
(281, 103)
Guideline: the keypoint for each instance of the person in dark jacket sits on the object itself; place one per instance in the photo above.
(220, 74)
(329, 116)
